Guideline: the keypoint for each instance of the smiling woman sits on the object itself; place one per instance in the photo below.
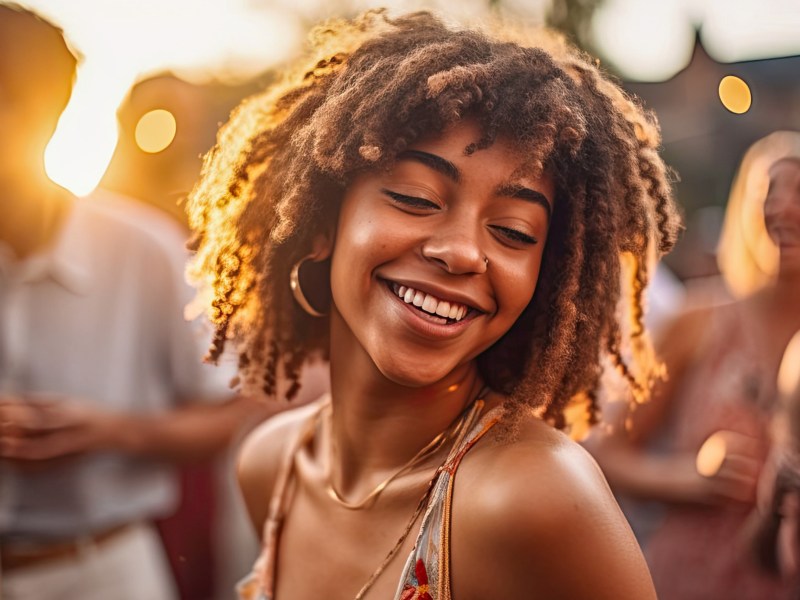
(443, 213)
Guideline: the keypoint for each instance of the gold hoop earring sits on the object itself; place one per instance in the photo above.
(297, 291)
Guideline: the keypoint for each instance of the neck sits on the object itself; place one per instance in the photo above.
(33, 211)
(378, 425)
(788, 282)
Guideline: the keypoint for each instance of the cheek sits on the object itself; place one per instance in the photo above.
(779, 212)
(515, 286)
(360, 247)
(360, 242)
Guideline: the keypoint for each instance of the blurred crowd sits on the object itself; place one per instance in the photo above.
(115, 472)
(116, 441)
(713, 478)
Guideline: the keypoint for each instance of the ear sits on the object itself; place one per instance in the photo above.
(322, 246)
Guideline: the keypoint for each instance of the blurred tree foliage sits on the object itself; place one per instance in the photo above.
(571, 17)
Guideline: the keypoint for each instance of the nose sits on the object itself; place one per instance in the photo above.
(457, 252)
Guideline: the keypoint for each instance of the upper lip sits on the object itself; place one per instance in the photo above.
(440, 292)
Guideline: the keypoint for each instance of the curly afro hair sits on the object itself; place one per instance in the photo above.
(372, 87)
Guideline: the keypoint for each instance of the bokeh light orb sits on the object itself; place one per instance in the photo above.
(789, 374)
(155, 131)
(734, 93)
(711, 455)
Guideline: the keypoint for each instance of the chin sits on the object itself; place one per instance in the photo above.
(412, 374)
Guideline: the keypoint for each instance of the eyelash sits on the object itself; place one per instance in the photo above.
(515, 235)
(510, 234)
(412, 201)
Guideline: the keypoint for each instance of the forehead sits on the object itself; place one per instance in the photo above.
(502, 159)
(785, 168)
(33, 54)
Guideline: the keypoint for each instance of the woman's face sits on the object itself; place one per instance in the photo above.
(436, 258)
(782, 212)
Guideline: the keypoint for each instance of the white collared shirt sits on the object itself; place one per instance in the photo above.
(98, 317)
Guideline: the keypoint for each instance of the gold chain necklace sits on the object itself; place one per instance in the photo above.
(460, 428)
(429, 449)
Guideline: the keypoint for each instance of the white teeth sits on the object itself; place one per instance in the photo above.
(431, 304)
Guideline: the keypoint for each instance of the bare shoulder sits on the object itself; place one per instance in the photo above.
(534, 517)
(260, 458)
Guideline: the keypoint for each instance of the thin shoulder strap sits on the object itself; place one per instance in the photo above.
(279, 503)
(483, 426)
(426, 574)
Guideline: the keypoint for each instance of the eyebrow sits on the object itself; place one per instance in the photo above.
(445, 167)
(437, 163)
(523, 193)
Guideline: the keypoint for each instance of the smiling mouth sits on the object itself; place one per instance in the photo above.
(444, 311)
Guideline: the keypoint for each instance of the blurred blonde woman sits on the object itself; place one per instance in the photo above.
(711, 415)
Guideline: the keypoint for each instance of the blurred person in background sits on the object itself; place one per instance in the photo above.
(712, 412)
(157, 160)
(165, 125)
(101, 382)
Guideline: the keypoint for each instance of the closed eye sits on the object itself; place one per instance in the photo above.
(411, 201)
(514, 235)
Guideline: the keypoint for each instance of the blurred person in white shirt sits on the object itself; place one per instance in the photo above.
(102, 388)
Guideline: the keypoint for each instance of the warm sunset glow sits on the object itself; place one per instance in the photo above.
(734, 93)
(236, 39)
(81, 148)
(578, 417)
(155, 131)
(125, 42)
(711, 455)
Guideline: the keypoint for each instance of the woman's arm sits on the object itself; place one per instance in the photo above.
(672, 477)
(59, 427)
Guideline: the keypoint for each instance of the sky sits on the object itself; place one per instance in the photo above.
(125, 40)
(653, 40)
